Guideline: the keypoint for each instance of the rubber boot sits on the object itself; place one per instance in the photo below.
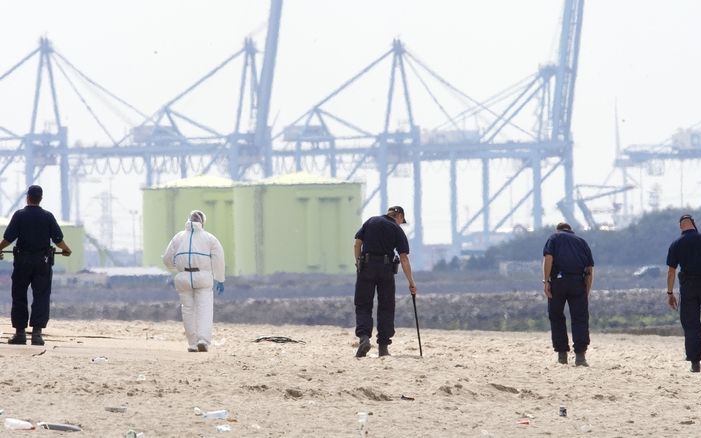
(580, 360)
(37, 339)
(19, 338)
(562, 357)
(363, 347)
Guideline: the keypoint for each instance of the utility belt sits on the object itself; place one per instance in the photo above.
(368, 258)
(560, 275)
(685, 276)
(47, 253)
(192, 269)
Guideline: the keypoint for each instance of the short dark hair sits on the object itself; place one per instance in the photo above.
(563, 226)
(35, 194)
(686, 216)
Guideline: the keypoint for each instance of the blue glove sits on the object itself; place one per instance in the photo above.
(219, 287)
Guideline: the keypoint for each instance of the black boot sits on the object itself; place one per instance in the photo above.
(363, 347)
(580, 360)
(37, 339)
(19, 338)
(383, 350)
(562, 357)
(695, 366)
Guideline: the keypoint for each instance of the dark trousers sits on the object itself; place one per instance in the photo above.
(373, 276)
(34, 270)
(690, 315)
(570, 290)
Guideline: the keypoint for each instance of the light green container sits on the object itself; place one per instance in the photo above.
(292, 223)
(167, 208)
(296, 223)
(73, 235)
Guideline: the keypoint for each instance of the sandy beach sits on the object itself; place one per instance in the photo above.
(467, 384)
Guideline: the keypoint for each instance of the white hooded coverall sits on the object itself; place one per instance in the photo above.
(194, 248)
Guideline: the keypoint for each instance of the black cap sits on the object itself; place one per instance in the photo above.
(35, 191)
(398, 209)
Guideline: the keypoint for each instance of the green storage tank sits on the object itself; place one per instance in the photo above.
(291, 223)
(167, 208)
(73, 235)
(296, 223)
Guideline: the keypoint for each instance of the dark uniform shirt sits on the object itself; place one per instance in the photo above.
(571, 253)
(686, 252)
(381, 236)
(33, 227)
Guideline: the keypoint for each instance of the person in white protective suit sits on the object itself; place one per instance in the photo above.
(199, 259)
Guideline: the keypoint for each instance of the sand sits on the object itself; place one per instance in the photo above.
(467, 384)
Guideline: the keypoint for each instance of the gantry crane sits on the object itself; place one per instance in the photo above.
(323, 140)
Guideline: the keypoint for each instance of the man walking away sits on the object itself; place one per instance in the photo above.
(199, 259)
(374, 250)
(34, 229)
(685, 252)
(568, 273)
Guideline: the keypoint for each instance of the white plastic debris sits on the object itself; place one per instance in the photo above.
(15, 424)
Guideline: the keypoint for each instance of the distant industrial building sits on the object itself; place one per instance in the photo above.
(290, 223)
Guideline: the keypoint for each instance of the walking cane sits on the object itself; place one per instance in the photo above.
(416, 316)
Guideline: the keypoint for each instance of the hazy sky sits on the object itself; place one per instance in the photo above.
(643, 54)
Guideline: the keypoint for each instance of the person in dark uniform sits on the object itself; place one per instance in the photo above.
(568, 273)
(685, 252)
(33, 228)
(375, 246)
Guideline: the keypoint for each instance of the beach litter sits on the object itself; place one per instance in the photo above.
(278, 339)
(525, 415)
(117, 409)
(223, 428)
(404, 397)
(134, 434)
(15, 424)
(141, 378)
(524, 422)
(220, 414)
(99, 360)
(59, 426)
(362, 424)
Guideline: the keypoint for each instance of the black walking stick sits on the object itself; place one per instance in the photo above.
(416, 316)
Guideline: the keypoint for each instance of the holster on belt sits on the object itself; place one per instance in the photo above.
(395, 264)
(360, 263)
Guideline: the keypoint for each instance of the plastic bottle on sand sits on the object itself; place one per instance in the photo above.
(362, 424)
(220, 414)
(15, 424)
